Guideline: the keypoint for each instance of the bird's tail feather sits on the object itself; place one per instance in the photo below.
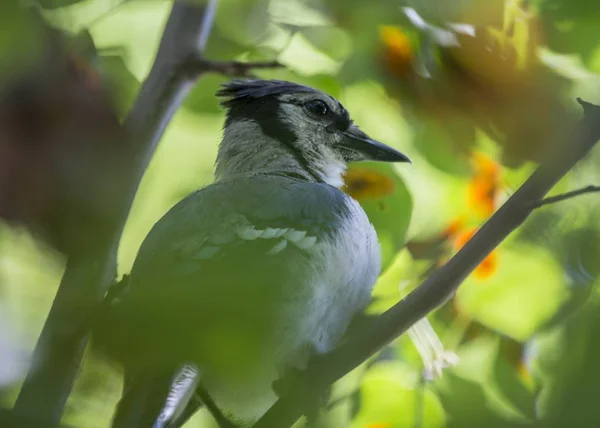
(182, 389)
(155, 400)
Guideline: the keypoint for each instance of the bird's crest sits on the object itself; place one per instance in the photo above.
(239, 91)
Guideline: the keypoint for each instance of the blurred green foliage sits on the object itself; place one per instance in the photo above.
(442, 95)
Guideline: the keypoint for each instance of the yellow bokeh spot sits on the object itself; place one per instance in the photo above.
(454, 227)
(398, 53)
(364, 184)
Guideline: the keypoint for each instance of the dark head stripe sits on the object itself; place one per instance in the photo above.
(342, 118)
(262, 107)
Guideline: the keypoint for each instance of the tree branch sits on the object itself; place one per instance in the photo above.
(565, 196)
(199, 65)
(87, 276)
(440, 286)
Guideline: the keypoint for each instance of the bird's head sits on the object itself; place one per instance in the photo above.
(289, 128)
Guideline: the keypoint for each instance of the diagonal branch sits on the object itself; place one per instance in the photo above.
(440, 286)
(178, 64)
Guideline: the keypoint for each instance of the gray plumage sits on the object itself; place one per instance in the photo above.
(249, 276)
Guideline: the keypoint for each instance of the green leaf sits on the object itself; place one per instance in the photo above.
(466, 405)
(334, 42)
(242, 21)
(136, 27)
(297, 14)
(470, 392)
(509, 301)
(475, 12)
(445, 144)
(570, 26)
(53, 4)
(513, 391)
(221, 47)
(202, 97)
(565, 360)
(303, 57)
(122, 84)
(392, 396)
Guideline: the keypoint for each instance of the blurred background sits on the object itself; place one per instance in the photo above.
(474, 92)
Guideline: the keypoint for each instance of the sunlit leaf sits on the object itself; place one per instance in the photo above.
(509, 301)
(50, 4)
(446, 142)
(570, 25)
(135, 27)
(302, 56)
(243, 22)
(565, 360)
(334, 42)
(474, 12)
(121, 83)
(392, 396)
(506, 379)
(297, 13)
(467, 405)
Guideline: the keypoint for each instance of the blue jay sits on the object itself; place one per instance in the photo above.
(251, 275)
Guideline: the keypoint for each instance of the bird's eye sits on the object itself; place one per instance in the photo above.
(316, 108)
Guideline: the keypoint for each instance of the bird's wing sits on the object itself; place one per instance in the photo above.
(231, 251)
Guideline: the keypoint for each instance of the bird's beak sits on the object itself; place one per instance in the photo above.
(368, 149)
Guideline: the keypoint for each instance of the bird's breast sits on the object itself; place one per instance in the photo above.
(330, 286)
(345, 268)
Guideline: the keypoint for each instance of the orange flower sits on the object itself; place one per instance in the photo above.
(488, 266)
(454, 227)
(362, 183)
(484, 186)
(484, 166)
(398, 53)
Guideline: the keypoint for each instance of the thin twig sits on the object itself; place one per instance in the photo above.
(228, 68)
(237, 68)
(565, 196)
(214, 410)
(440, 286)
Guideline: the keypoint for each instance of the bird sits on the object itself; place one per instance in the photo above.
(245, 279)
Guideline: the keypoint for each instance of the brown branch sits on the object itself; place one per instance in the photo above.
(88, 275)
(439, 287)
(198, 65)
(239, 69)
(565, 196)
